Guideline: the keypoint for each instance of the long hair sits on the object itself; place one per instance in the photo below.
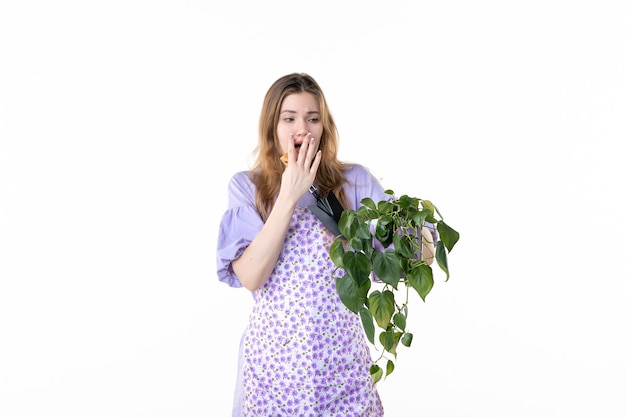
(267, 170)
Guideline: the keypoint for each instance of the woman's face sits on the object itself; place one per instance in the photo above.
(299, 116)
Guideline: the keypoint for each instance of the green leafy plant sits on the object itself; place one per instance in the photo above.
(378, 259)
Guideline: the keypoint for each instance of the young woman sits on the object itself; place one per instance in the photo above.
(303, 352)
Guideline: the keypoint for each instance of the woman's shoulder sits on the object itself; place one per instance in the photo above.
(241, 180)
(241, 176)
(240, 188)
(356, 171)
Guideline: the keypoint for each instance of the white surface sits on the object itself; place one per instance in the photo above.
(121, 122)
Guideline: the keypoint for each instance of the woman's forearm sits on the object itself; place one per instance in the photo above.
(257, 262)
(428, 246)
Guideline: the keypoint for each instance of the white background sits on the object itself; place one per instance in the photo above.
(122, 121)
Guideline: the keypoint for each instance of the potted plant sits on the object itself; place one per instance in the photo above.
(382, 243)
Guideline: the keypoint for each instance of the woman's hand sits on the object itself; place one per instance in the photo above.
(300, 175)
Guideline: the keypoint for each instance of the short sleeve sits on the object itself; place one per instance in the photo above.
(239, 225)
(361, 184)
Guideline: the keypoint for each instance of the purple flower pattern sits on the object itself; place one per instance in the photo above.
(305, 354)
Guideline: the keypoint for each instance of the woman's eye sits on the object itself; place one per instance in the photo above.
(314, 120)
(288, 119)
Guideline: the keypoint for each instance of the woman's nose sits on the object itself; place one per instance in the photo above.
(300, 132)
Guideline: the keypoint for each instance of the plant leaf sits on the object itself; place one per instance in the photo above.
(402, 245)
(387, 267)
(336, 252)
(358, 266)
(368, 323)
(387, 340)
(369, 203)
(428, 205)
(390, 368)
(352, 295)
(399, 320)
(396, 340)
(348, 224)
(383, 234)
(448, 235)
(363, 231)
(382, 307)
(442, 258)
(406, 340)
(385, 207)
(376, 372)
(420, 216)
(347, 291)
(357, 244)
(421, 279)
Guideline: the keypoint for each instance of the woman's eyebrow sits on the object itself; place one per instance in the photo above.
(293, 111)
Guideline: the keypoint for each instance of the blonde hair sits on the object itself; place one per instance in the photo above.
(267, 170)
